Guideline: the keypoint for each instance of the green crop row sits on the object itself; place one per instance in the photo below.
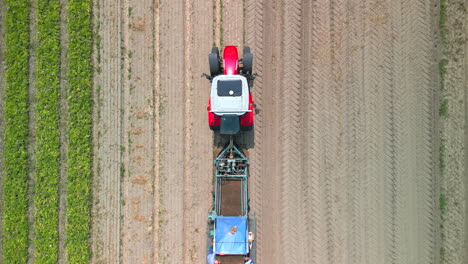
(79, 131)
(15, 189)
(47, 131)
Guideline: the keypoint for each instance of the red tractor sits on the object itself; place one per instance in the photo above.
(230, 107)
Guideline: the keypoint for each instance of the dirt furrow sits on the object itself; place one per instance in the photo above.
(2, 113)
(396, 99)
(108, 163)
(232, 22)
(32, 127)
(360, 230)
(380, 128)
(454, 131)
(415, 154)
(172, 139)
(290, 136)
(189, 246)
(138, 82)
(199, 139)
(157, 116)
(268, 107)
(426, 173)
(338, 155)
(63, 110)
(254, 39)
(315, 84)
(328, 100)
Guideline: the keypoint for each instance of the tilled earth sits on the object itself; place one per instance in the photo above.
(344, 159)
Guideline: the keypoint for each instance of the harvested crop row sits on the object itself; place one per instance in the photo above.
(47, 131)
(15, 190)
(79, 131)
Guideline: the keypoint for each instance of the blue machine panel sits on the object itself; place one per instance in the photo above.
(226, 241)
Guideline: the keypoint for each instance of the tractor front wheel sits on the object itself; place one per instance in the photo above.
(213, 59)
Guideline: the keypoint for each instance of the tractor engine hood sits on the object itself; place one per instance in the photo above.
(229, 95)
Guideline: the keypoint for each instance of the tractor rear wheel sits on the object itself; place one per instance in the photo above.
(248, 61)
(213, 59)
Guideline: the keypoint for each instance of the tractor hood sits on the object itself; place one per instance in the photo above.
(229, 95)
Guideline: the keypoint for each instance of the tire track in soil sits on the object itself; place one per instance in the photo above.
(32, 127)
(138, 82)
(290, 135)
(336, 142)
(332, 146)
(360, 230)
(265, 160)
(63, 113)
(413, 125)
(254, 34)
(315, 82)
(2, 113)
(382, 137)
(199, 139)
(417, 120)
(108, 163)
(172, 139)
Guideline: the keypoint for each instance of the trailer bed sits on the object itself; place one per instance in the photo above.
(230, 190)
(230, 259)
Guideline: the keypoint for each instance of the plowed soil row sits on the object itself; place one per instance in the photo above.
(153, 152)
(454, 132)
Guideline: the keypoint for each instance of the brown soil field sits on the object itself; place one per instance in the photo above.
(344, 160)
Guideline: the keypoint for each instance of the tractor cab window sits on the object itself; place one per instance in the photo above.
(229, 88)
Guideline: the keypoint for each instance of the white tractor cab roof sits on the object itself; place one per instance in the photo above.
(229, 95)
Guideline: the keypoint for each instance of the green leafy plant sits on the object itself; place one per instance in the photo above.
(442, 17)
(15, 189)
(47, 131)
(79, 131)
(442, 201)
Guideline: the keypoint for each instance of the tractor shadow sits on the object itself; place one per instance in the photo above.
(243, 139)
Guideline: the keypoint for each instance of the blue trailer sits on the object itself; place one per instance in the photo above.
(231, 230)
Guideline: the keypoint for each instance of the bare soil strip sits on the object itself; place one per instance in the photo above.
(366, 176)
(315, 82)
(189, 246)
(2, 112)
(453, 121)
(414, 84)
(292, 223)
(172, 140)
(63, 128)
(138, 195)
(157, 114)
(366, 165)
(232, 23)
(108, 163)
(345, 176)
(265, 160)
(254, 39)
(32, 128)
(199, 139)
